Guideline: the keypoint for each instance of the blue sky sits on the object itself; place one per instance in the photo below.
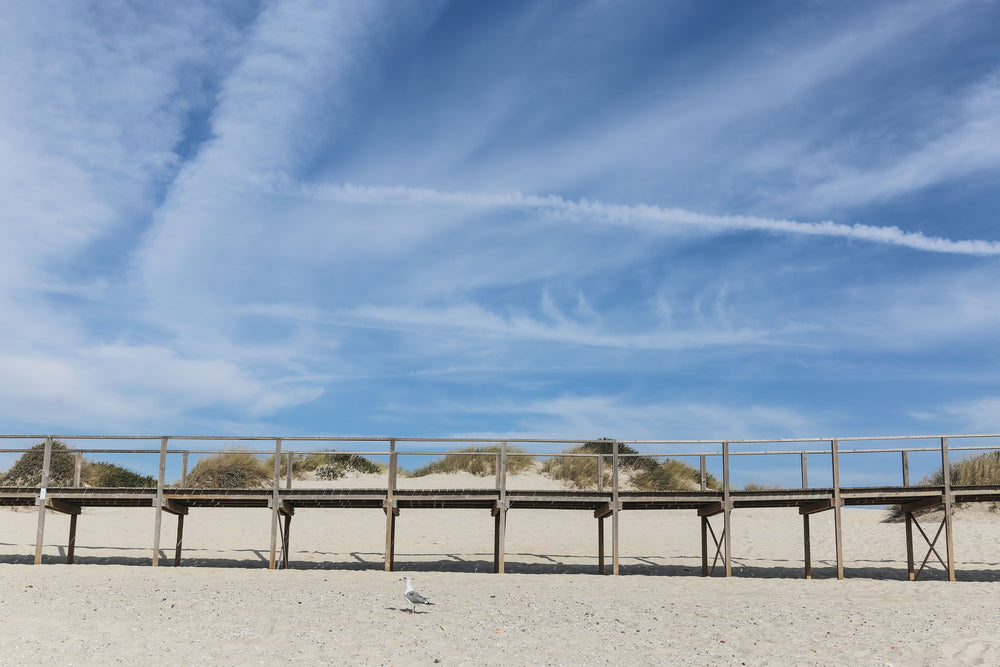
(542, 219)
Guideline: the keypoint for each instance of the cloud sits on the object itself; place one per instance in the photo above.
(644, 218)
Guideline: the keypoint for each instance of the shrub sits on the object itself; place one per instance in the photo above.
(230, 469)
(27, 470)
(102, 474)
(672, 475)
(476, 463)
(754, 485)
(581, 472)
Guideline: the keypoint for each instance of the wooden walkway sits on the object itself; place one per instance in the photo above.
(603, 503)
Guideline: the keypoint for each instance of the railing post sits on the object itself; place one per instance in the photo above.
(184, 469)
(946, 471)
(600, 472)
(614, 509)
(390, 509)
(158, 521)
(727, 507)
(704, 472)
(838, 537)
(906, 468)
(40, 501)
(807, 546)
(288, 470)
(500, 519)
(77, 469)
(275, 504)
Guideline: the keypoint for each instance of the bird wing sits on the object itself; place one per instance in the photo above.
(416, 598)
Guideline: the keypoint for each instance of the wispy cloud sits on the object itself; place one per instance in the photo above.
(645, 218)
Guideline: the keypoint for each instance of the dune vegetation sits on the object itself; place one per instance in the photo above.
(643, 473)
(477, 461)
(976, 470)
(27, 470)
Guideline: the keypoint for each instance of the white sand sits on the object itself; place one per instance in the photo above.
(336, 606)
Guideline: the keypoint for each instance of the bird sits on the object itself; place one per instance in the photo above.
(412, 596)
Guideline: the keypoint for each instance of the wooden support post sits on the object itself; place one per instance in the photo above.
(615, 507)
(71, 544)
(180, 540)
(40, 501)
(837, 526)
(727, 509)
(906, 468)
(600, 545)
(807, 547)
(909, 546)
(286, 541)
(158, 502)
(500, 523)
(704, 472)
(704, 546)
(949, 547)
(288, 470)
(184, 469)
(275, 504)
(390, 509)
(600, 472)
(77, 468)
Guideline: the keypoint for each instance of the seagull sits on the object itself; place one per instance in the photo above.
(413, 597)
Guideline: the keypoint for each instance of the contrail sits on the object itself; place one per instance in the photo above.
(652, 219)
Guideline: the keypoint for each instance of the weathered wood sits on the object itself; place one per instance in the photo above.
(909, 546)
(77, 468)
(949, 547)
(180, 540)
(158, 503)
(288, 470)
(40, 502)
(817, 506)
(804, 464)
(704, 546)
(391, 509)
(921, 504)
(603, 510)
(62, 506)
(616, 507)
(600, 545)
(71, 543)
(837, 526)
(500, 522)
(727, 509)
(807, 547)
(275, 503)
(711, 509)
(704, 472)
(286, 540)
(175, 507)
(906, 468)
(184, 469)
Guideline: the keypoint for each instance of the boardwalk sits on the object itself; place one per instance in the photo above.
(605, 502)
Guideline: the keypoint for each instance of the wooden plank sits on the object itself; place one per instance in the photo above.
(923, 503)
(603, 510)
(704, 546)
(600, 545)
(711, 509)
(817, 506)
(174, 507)
(62, 506)
(43, 490)
(909, 547)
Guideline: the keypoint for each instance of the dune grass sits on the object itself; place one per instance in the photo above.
(645, 473)
(27, 470)
(233, 468)
(475, 460)
(976, 470)
(326, 465)
(754, 485)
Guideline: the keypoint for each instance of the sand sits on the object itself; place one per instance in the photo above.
(336, 605)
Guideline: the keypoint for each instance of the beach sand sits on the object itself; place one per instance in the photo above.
(336, 605)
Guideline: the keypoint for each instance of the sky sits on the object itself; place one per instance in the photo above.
(628, 219)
